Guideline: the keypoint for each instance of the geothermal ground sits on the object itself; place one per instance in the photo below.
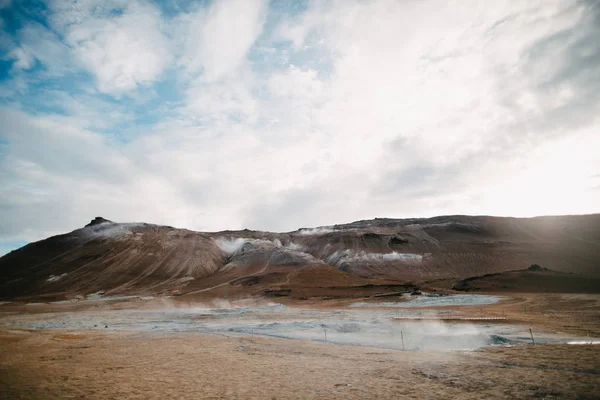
(428, 346)
(448, 307)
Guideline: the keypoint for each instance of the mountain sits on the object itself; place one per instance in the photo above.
(373, 256)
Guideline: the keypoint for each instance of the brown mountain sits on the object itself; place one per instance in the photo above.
(373, 256)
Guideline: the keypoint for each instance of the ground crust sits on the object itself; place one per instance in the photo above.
(54, 364)
(49, 365)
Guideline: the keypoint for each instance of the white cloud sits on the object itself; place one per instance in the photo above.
(357, 109)
(23, 59)
(422, 109)
(554, 175)
(222, 102)
(58, 174)
(36, 42)
(217, 40)
(123, 49)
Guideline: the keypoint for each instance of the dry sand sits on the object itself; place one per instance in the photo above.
(84, 365)
(50, 364)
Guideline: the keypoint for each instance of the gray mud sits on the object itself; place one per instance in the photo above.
(359, 327)
(436, 300)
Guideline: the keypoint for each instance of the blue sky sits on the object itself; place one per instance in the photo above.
(277, 115)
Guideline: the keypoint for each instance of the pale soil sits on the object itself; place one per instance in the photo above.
(51, 364)
(575, 313)
(85, 365)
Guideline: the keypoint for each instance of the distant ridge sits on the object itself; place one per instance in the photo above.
(127, 258)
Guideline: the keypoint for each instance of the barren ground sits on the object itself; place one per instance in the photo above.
(44, 365)
(49, 364)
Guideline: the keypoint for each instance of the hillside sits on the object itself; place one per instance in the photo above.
(527, 281)
(381, 255)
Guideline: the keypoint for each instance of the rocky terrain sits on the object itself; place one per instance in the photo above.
(373, 257)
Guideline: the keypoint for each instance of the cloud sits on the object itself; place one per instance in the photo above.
(121, 43)
(23, 59)
(41, 184)
(222, 103)
(38, 42)
(216, 40)
(235, 114)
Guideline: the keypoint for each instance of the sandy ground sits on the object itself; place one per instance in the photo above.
(97, 364)
(84, 365)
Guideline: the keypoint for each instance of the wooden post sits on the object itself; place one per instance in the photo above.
(402, 338)
(325, 330)
(531, 333)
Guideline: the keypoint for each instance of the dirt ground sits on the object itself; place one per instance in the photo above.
(82, 365)
(51, 364)
(575, 313)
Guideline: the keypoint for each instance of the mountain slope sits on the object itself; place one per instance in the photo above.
(121, 257)
(149, 259)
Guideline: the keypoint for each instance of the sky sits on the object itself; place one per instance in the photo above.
(232, 114)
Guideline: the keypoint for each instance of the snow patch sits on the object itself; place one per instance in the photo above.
(108, 230)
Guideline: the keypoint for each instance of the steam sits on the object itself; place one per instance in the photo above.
(215, 306)
(315, 231)
(221, 304)
(373, 328)
(294, 246)
(108, 230)
(397, 256)
(234, 245)
(435, 300)
(344, 256)
(584, 342)
(230, 246)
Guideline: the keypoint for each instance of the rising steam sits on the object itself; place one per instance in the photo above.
(315, 231)
(234, 245)
(231, 245)
(344, 256)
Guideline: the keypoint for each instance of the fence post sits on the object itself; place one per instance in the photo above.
(531, 333)
(402, 338)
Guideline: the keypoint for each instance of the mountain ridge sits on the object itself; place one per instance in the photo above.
(124, 258)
